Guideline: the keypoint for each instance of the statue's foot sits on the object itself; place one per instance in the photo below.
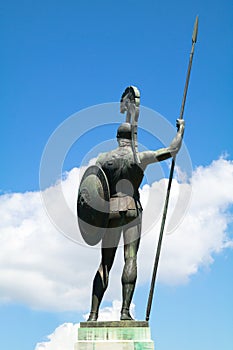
(125, 315)
(92, 317)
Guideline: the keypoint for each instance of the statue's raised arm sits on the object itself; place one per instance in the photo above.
(148, 157)
(130, 102)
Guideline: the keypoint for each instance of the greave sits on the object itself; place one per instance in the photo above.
(97, 295)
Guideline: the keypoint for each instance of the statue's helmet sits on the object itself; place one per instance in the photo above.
(124, 131)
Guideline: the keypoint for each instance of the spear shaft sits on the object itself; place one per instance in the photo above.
(156, 262)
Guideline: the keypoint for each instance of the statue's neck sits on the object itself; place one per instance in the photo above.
(124, 143)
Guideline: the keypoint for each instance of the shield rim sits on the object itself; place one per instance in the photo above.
(95, 170)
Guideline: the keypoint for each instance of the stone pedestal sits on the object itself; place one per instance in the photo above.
(115, 335)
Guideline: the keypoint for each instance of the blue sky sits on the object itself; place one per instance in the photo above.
(60, 57)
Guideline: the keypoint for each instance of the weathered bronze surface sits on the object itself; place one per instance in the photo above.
(93, 205)
(124, 169)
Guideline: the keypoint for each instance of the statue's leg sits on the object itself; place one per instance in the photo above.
(100, 282)
(129, 276)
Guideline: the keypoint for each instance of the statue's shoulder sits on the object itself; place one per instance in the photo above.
(102, 158)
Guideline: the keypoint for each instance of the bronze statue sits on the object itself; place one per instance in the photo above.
(124, 169)
(109, 203)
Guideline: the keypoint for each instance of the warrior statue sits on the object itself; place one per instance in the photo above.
(123, 169)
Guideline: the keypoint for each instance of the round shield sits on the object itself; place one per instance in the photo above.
(93, 205)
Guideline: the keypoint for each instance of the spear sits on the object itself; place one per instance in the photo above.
(156, 262)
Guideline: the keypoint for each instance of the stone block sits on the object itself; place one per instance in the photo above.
(115, 335)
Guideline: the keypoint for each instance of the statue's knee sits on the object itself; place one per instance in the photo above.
(130, 271)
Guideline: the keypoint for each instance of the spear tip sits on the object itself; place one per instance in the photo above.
(195, 31)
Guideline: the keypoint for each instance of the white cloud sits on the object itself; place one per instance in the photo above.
(203, 231)
(41, 268)
(63, 338)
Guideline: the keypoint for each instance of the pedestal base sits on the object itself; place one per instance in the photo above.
(115, 335)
